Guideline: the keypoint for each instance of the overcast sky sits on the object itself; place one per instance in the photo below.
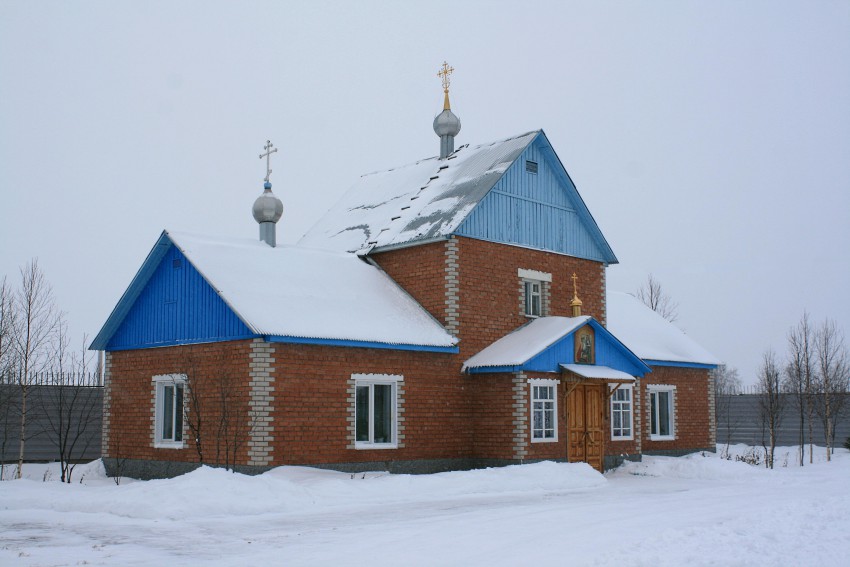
(710, 140)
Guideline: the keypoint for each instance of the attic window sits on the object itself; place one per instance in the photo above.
(531, 166)
(176, 263)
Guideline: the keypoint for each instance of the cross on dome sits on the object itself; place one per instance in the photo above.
(270, 149)
(444, 73)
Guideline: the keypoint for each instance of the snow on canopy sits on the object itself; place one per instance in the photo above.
(416, 202)
(598, 371)
(301, 292)
(526, 342)
(649, 335)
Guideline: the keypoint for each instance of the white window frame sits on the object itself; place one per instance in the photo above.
(617, 407)
(652, 393)
(160, 383)
(530, 295)
(553, 400)
(533, 278)
(372, 380)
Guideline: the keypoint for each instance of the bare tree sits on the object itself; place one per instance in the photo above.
(654, 297)
(727, 383)
(799, 378)
(7, 326)
(217, 413)
(833, 370)
(70, 404)
(35, 330)
(771, 403)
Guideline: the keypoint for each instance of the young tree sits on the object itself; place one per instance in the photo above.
(833, 374)
(771, 403)
(7, 326)
(70, 404)
(727, 383)
(217, 414)
(37, 321)
(654, 297)
(799, 378)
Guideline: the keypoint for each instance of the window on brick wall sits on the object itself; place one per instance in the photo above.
(533, 298)
(621, 412)
(544, 410)
(662, 401)
(534, 289)
(376, 411)
(168, 410)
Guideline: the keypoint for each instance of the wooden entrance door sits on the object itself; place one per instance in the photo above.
(585, 425)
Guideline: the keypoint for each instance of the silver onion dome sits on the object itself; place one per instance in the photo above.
(447, 124)
(267, 207)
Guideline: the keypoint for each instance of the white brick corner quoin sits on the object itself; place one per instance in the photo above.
(261, 384)
(452, 286)
(107, 404)
(520, 415)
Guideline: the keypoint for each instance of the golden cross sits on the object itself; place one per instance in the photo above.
(575, 289)
(444, 73)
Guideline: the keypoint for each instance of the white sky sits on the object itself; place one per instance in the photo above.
(711, 140)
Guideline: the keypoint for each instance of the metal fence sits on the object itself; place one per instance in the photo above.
(55, 401)
(739, 421)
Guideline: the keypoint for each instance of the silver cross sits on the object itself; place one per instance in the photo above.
(270, 149)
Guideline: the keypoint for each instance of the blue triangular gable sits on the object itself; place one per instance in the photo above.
(169, 303)
(536, 204)
(610, 352)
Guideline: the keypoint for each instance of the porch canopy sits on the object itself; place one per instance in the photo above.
(547, 344)
(602, 373)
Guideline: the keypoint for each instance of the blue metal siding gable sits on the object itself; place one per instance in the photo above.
(176, 306)
(609, 352)
(540, 210)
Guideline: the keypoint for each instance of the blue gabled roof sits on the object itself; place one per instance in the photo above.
(480, 191)
(546, 343)
(194, 289)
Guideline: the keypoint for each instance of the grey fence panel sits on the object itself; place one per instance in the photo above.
(43, 403)
(739, 421)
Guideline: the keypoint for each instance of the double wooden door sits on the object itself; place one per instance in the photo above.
(586, 424)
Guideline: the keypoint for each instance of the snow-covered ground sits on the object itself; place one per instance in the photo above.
(695, 510)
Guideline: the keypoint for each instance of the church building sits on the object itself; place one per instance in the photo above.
(447, 314)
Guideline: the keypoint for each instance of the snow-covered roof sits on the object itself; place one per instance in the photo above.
(529, 340)
(301, 292)
(416, 202)
(598, 371)
(649, 335)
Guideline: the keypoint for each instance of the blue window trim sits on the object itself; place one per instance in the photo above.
(363, 344)
(679, 364)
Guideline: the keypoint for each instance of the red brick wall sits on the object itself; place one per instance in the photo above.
(312, 402)
(131, 395)
(491, 406)
(489, 289)
(692, 426)
(421, 271)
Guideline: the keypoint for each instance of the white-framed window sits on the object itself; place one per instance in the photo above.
(621, 412)
(533, 302)
(376, 411)
(544, 410)
(662, 400)
(533, 298)
(168, 410)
